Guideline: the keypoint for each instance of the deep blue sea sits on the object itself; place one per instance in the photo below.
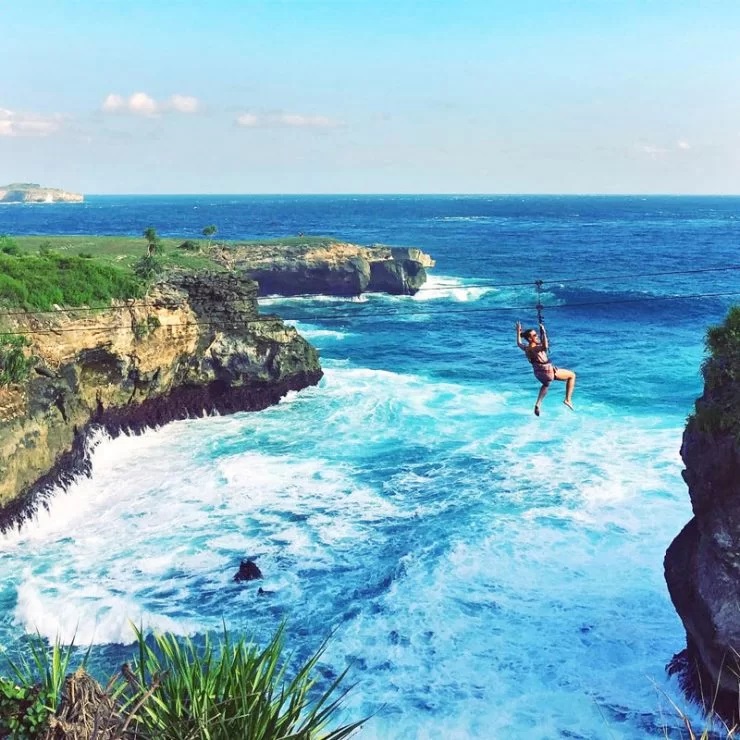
(483, 572)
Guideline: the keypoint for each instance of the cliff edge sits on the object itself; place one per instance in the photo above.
(329, 268)
(196, 343)
(702, 564)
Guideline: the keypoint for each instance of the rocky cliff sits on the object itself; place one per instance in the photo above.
(31, 192)
(196, 344)
(331, 268)
(702, 565)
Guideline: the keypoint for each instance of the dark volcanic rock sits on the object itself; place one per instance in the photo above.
(248, 571)
(702, 564)
(349, 278)
(702, 569)
(397, 277)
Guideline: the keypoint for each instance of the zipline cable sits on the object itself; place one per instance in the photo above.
(376, 314)
(431, 288)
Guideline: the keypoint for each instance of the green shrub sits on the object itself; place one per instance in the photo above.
(189, 245)
(718, 410)
(15, 364)
(41, 282)
(23, 714)
(146, 326)
(148, 267)
(32, 696)
(8, 245)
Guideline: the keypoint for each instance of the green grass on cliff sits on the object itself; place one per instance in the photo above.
(41, 282)
(718, 410)
(125, 250)
(40, 272)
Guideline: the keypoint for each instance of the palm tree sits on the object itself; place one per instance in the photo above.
(208, 233)
(153, 243)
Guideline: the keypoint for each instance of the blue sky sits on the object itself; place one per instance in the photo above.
(356, 96)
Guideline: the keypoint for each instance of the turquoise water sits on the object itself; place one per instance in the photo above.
(485, 573)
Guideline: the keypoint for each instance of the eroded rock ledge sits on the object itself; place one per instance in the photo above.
(702, 564)
(196, 344)
(331, 268)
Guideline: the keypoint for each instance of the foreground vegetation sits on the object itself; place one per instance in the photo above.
(173, 690)
(719, 408)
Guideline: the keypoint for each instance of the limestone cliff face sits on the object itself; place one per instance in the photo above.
(702, 565)
(332, 269)
(31, 192)
(196, 344)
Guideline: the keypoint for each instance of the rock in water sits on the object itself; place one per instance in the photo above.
(248, 571)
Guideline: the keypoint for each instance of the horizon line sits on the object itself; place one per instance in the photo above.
(430, 195)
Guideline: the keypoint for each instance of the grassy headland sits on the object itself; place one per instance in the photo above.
(41, 272)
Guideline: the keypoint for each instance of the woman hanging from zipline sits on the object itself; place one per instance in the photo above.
(536, 347)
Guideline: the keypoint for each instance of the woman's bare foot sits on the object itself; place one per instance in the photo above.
(537, 410)
(568, 404)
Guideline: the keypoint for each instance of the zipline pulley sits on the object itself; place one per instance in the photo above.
(538, 285)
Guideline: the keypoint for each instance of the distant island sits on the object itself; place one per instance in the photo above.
(31, 192)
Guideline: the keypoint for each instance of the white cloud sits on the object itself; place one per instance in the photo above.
(14, 123)
(113, 103)
(142, 104)
(683, 144)
(286, 120)
(184, 103)
(248, 119)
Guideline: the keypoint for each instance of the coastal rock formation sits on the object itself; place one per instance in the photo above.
(248, 571)
(329, 268)
(702, 564)
(196, 344)
(31, 192)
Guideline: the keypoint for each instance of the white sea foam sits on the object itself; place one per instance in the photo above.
(483, 567)
(313, 332)
(273, 300)
(464, 219)
(451, 288)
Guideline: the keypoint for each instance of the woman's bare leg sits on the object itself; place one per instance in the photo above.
(570, 382)
(543, 392)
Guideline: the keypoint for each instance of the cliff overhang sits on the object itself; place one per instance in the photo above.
(328, 268)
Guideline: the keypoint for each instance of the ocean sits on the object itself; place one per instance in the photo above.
(483, 572)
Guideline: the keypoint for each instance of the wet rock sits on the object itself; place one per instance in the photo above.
(248, 571)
